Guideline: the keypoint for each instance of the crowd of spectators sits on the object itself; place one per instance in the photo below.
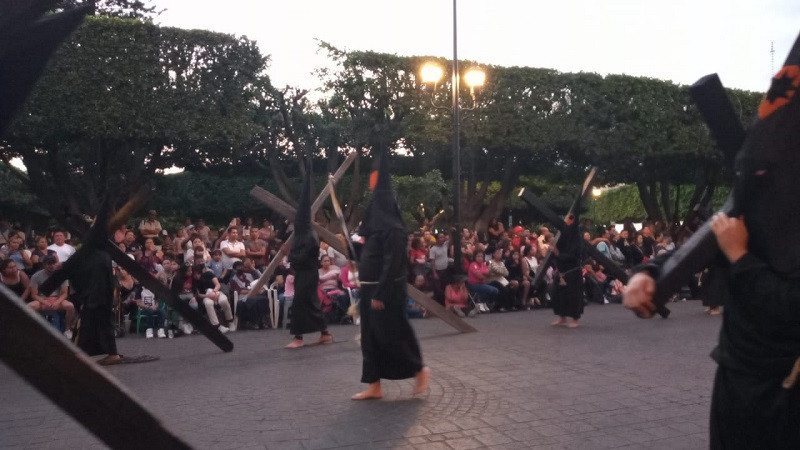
(213, 270)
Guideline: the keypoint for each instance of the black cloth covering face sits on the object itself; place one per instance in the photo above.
(306, 312)
(388, 343)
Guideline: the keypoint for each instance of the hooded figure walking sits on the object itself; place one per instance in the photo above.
(388, 343)
(304, 259)
(568, 295)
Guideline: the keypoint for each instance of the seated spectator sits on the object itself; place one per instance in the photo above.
(15, 279)
(127, 288)
(232, 248)
(251, 308)
(197, 248)
(151, 314)
(151, 257)
(51, 301)
(15, 251)
(497, 278)
(349, 279)
(206, 286)
(215, 265)
(456, 298)
(249, 267)
(286, 298)
(39, 251)
(519, 284)
(476, 276)
(593, 286)
(61, 247)
(179, 241)
(413, 309)
(329, 284)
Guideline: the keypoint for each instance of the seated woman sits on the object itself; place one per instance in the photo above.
(329, 283)
(476, 276)
(349, 280)
(456, 298)
(497, 278)
(518, 284)
(15, 279)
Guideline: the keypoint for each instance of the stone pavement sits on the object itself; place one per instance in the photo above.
(615, 382)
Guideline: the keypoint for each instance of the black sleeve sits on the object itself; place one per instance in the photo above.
(754, 281)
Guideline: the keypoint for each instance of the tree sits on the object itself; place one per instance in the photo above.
(130, 9)
(124, 99)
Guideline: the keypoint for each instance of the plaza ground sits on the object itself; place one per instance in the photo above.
(615, 382)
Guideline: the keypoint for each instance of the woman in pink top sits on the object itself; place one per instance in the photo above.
(456, 298)
(329, 283)
(478, 271)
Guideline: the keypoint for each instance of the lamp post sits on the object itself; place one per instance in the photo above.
(432, 73)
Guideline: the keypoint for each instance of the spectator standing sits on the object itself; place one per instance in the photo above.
(150, 227)
(438, 254)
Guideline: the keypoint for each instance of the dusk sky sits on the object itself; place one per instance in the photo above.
(678, 40)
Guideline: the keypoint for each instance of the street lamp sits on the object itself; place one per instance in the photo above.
(432, 73)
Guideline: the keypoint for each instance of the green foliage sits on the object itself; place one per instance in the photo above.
(131, 9)
(429, 190)
(124, 98)
(622, 203)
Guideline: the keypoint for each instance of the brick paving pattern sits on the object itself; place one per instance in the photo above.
(615, 382)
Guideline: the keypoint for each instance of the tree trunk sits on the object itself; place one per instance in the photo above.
(498, 201)
(280, 176)
(665, 203)
(646, 194)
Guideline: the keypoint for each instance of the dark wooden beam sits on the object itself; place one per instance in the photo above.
(33, 349)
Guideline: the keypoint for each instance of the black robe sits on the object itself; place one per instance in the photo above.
(758, 345)
(388, 343)
(93, 282)
(568, 289)
(306, 313)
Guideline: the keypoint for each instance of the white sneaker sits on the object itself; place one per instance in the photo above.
(187, 328)
(148, 333)
(68, 334)
(161, 333)
(222, 329)
(233, 324)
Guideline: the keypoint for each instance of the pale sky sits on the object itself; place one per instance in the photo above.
(678, 40)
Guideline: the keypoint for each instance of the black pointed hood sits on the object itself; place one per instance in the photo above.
(26, 44)
(98, 234)
(382, 212)
(305, 246)
(767, 167)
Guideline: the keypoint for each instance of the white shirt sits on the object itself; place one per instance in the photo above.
(63, 251)
(227, 261)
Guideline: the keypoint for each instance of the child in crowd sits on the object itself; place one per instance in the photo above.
(215, 265)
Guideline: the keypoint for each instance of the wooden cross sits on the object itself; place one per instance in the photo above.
(611, 267)
(46, 360)
(287, 211)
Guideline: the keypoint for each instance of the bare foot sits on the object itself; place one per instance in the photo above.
(373, 392)
(423, 376)
(324, 339)
(296, 343)
(573, 324)
(109, 360)
(715, 311)
(559, 321)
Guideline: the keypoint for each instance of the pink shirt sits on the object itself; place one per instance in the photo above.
(477, 273)
(288, 286)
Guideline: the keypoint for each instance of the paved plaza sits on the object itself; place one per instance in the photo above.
(615, 382)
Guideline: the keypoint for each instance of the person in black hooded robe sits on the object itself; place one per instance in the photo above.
(388, 344)
(568, 290)
(756, 397)
(91, 278)
(304, 259)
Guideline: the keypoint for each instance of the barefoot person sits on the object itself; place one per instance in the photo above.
(306, 313)
(388, 344)
(568, 296)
